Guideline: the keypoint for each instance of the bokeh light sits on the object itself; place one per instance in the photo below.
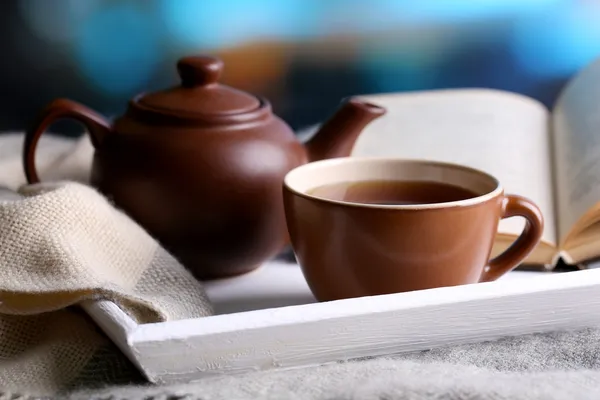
(403, 62)
(457, 11)
(361, 16)
(384, 45)
(558, 43)
(221, 24)
(117, 49)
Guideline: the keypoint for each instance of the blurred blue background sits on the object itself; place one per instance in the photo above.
(304, 55)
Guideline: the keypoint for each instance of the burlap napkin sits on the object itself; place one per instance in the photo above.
(62, 243)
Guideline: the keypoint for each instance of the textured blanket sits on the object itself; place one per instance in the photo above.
(560, 365)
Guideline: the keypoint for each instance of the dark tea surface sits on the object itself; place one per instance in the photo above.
(387, 192)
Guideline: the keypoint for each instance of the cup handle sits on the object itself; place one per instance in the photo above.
(97, 126)
(516, 206)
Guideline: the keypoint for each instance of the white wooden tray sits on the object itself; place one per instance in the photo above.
(269, 319)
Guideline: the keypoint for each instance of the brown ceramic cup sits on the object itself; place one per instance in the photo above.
(352, 249)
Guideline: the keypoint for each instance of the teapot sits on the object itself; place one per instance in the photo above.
(200, 166)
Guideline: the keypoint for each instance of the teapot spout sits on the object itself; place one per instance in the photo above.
(337, 136)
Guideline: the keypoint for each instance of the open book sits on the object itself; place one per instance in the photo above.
(551, 157)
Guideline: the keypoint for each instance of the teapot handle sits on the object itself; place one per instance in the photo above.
(97, 126)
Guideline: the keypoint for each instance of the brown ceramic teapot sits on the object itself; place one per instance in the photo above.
(200, 166)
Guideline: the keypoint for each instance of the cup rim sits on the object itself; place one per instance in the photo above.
(315, 165)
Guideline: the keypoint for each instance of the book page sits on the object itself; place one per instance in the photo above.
(503, 134)
(576, 130)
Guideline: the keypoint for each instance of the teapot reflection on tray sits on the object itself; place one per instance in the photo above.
(200, 165)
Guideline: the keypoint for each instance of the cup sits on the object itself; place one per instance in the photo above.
(353, 248)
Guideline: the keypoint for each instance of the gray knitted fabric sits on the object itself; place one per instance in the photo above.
(554, 366)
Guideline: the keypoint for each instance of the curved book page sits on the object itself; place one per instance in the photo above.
(576, 128)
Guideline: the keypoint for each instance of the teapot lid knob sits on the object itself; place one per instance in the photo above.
(199, 70)
(200, 96)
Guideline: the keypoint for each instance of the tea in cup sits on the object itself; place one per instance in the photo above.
(371, 226)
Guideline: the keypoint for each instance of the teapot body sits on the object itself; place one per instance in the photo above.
(212, 197)
(201, 165)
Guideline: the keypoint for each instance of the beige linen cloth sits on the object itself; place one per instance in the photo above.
(61, 243)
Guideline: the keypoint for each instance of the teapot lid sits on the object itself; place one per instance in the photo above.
(199, 95)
